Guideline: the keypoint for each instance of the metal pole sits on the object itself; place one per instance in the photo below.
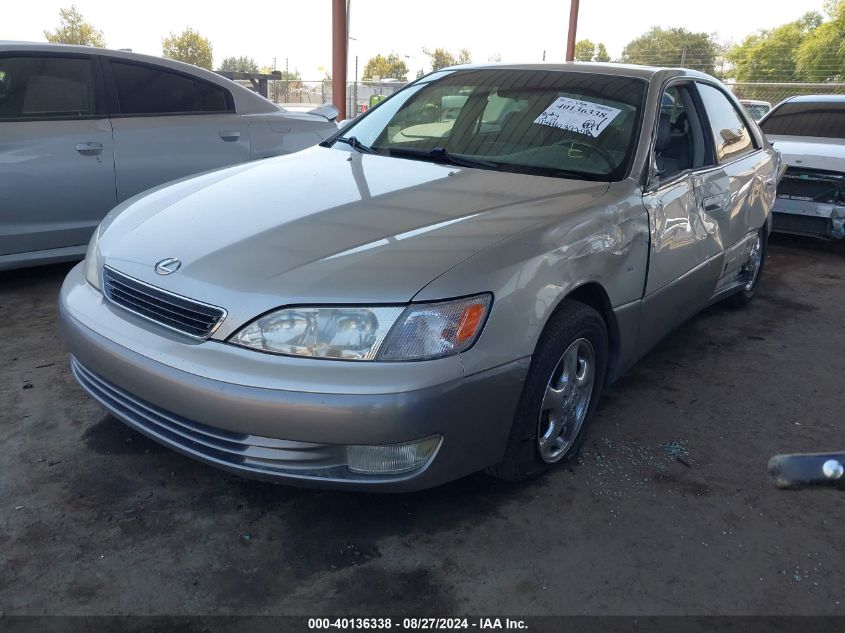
(355, 90)
(339, 44)
(573, 28)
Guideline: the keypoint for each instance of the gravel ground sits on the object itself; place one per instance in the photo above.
(668, 510)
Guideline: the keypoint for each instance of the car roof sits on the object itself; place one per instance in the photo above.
(247, 102)
(816, 99)
(622, 70)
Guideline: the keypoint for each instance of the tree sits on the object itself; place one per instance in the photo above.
(73, 29)
(390, 67)
(440, 58)
(189, 47)
(239, 65)
(585, 50)
(771, 55)
(821, 55)
(673, 47)
(601, 53)
(464, 56)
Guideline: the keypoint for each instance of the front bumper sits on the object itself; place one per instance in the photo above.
(805, 217)
(270, 417)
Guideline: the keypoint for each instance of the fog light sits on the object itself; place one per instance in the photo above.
(391, 459)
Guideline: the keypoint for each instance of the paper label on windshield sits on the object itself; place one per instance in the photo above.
(584, 117)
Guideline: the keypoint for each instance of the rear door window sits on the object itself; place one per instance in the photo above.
(145, 90)
(730, 133)
(45, 88)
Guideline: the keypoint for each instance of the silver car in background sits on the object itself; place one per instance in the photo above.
(83, 129)
(443, 287)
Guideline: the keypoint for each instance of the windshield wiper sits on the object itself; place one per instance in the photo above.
(355, 144)
(440, 155)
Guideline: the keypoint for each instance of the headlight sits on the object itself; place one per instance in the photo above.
(92, 259)
(415, 332)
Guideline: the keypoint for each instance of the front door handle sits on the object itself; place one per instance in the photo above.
(713, 203)
(230, 135)
(89, 149)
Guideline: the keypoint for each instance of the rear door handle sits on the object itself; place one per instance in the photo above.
(89, 149)
(229, 136)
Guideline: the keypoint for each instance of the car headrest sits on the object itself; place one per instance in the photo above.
(682, 123)
(664, 132)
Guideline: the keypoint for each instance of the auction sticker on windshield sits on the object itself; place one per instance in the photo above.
(584, 117)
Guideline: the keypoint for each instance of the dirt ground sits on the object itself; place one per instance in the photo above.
(667, 512)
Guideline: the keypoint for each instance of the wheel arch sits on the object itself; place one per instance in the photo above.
(593, 295)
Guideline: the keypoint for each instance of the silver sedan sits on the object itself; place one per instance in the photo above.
(443, 287)
(83, 129)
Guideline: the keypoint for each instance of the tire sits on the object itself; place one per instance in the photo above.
(574, 336)
(745, 294)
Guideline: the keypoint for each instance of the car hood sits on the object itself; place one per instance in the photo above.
(325, 225)
(811, 152)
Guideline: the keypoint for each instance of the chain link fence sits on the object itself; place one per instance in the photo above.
(362, 95)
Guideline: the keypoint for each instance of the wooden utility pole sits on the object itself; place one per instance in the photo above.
(339, 45)
(573, 28)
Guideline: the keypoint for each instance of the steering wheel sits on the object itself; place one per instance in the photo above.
(591, 149)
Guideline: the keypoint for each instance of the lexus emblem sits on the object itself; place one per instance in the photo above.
(168, 266)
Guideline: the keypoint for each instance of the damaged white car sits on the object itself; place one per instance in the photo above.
(809, 131)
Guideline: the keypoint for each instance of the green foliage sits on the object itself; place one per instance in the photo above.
(821, 55)
(601, 53)
(390, 67)
(73, 29)
(584, 51)
(809, 49)
(673, 47)
(239, 65)
(771, 55)
(440, 58)
(587, 51)
(189, 47)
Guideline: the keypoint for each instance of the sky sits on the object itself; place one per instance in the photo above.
(300, 31)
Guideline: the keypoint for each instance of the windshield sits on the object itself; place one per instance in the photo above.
(824, 119)
(568, 124)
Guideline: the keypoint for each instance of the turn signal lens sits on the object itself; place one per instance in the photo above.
(470, 320)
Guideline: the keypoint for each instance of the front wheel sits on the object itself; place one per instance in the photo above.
(751, 272)
(560, 394)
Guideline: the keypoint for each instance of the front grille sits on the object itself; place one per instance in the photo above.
(812, 185)
(248, 454)
(176, 312)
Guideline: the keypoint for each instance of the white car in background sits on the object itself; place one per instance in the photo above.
(83, 129)
(809, 131)
(757, 109)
